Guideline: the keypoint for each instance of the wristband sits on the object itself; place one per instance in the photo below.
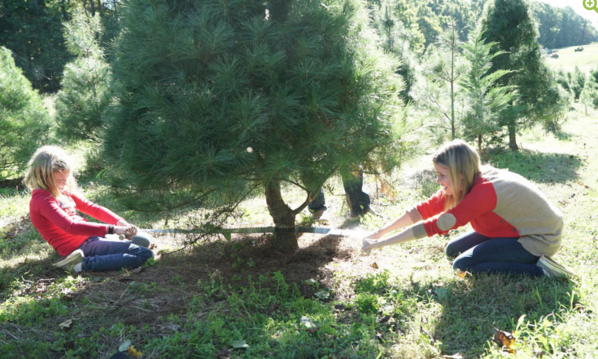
(110, 229)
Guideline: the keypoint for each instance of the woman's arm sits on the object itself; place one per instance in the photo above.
(402, 222)
(403, 236)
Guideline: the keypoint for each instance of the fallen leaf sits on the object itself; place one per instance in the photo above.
(323, 294)
(124, 346)
(374, 265)
(520, 287)
(461, 275)
(66, 324)
(239, 344)
(134, 353)
(504, 339)
(379, 336)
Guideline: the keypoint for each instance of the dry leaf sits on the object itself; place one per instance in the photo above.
(461, 275)
(134, 353)
(504, 339)
(374, 265)
(66, 324)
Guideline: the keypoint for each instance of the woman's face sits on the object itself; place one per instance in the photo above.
(443, 179)
(61, 178)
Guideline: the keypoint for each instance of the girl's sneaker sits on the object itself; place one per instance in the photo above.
(71, 260)
(553, 269)
(141, 239)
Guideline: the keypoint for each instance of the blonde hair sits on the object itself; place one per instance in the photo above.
(463, 164)
(44, 162)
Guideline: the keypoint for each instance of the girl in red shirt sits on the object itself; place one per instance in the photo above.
(515, 228)
(54, 208)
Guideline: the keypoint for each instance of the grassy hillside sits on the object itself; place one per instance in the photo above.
(586, 60)
(241, 299)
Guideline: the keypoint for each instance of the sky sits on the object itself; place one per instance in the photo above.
(577, 6)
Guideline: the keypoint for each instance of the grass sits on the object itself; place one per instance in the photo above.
(586, 60)
(235, 299)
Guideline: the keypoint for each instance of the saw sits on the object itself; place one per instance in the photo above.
(250, 230)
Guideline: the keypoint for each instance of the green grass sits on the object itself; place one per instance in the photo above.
(233, 299)
(586, 60)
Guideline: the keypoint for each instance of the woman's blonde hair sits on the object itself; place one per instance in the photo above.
(463, 164)
(44, 162)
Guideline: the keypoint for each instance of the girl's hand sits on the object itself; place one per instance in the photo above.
(127, 231)
(130, 231)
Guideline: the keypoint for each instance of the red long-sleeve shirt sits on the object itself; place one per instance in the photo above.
(500, 204)
(60, 224)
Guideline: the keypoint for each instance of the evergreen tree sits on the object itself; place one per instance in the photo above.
(485, 98)
(82, 102)
(578, 81)
(443, 68)
(508, 23)
(395, 40)
(589, 95)
(226, 97)
(33, 32)
(24, 122)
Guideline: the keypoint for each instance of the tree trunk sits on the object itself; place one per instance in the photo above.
(284, 219)
(512, 135)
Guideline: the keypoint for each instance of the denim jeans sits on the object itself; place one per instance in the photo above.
(103, 254)
(359, 201)
(480, 254)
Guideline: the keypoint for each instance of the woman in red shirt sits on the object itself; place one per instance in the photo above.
(515, 228)
(54, 213)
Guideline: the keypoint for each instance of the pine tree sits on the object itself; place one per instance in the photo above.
(24, 123)
(83, 100)
(219, 99)
(509, 24)
(444, 66)
(485, 97)
(589, 95)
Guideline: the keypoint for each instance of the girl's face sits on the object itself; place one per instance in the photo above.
(443, 179)
(61, 178)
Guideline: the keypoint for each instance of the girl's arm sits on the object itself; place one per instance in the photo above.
(402, 222)
(52, 211)
(98, 212)
(404, 236)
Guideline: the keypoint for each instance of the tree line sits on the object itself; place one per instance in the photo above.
(206, 103)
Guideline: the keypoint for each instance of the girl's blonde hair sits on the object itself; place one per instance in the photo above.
(463, 164)
(44, 162)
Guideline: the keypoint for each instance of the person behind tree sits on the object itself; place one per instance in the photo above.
(53, 211)
(515, 228)
(357, 199)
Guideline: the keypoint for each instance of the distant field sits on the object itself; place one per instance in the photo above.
(586, 60)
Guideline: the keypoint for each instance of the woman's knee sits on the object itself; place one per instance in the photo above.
(452, 249)
(141, 253)
(462, 263)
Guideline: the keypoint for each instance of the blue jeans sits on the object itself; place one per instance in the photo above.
(480, 254)
(103, 254)
(359, 201)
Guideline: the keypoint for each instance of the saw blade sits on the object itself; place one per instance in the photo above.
(251, 230)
